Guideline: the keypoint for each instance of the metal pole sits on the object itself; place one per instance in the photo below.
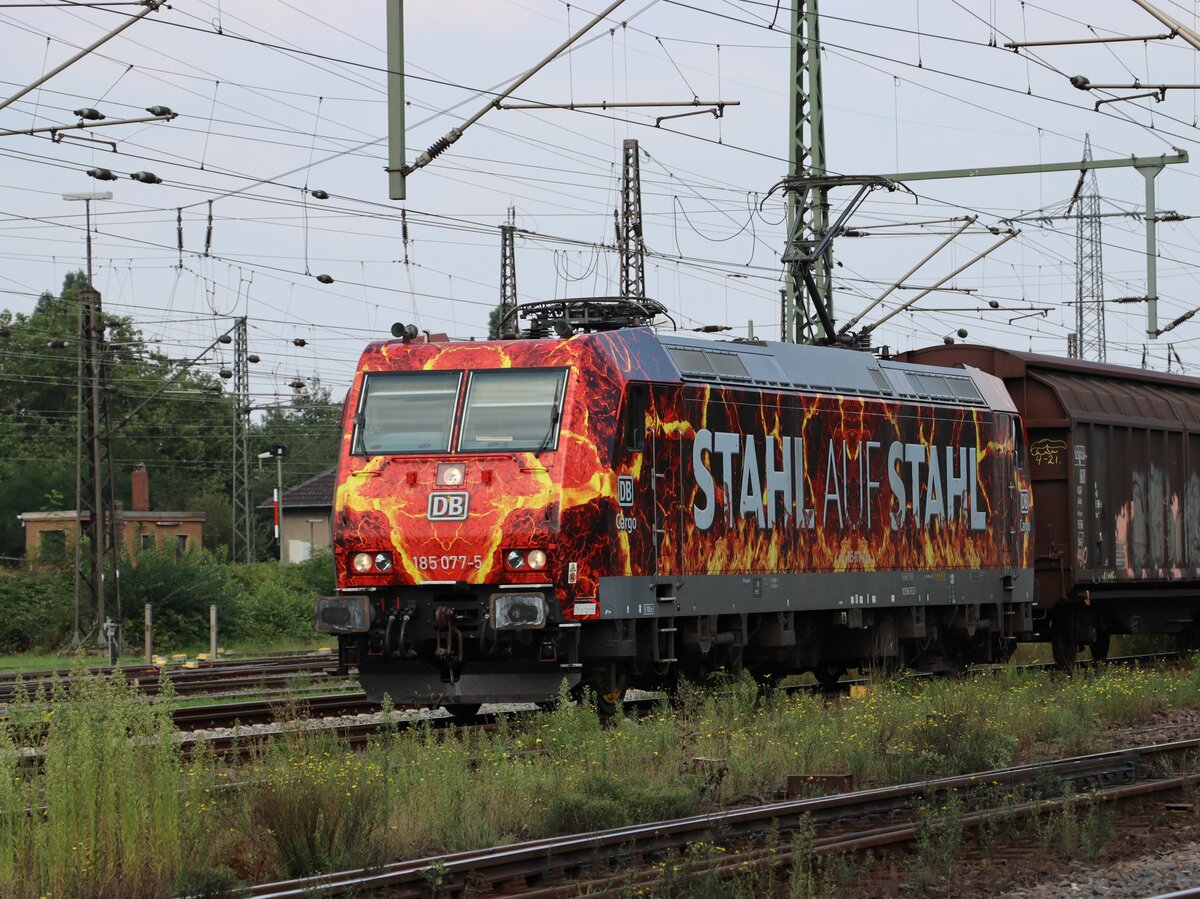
(395, 95)
(148, 648)
(87, 209)
(1150, 173)
(212, 634)
(279, 505)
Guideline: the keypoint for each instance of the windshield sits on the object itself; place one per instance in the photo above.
(512, 410)
(406, 412)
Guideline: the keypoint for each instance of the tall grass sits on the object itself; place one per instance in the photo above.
(117, 812)
(103, 818)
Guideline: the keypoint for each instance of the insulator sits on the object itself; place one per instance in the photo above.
(102, 174)
(146, 177)
(160, 110)
(296, 384)
(91, 115)
(253, 357)
(58, 344)
(325, 279)
(299, 341)
(225, 373)
(224, 338)
(320, 195)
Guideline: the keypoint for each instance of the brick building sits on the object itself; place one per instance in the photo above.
(48, 535)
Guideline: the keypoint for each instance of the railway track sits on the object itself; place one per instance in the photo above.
(217, 676)
(629, 859)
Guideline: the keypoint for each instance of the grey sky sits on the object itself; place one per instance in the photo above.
(279, 96)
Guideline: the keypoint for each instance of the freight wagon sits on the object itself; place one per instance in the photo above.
(1115, 464)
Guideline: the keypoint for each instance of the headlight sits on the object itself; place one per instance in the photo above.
(515, 559)
(383, 561)
(536, 559)
(451, 474)
(362, 562)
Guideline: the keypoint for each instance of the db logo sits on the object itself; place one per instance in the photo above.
(448, 506)
(624, 491)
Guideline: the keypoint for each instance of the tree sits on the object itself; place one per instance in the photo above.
(311, 427)
(174, 420)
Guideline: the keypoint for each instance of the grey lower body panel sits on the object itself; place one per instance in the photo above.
(731, 594)
(414, 683)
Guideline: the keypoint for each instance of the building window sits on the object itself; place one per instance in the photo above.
(181, 542)
(147, 541)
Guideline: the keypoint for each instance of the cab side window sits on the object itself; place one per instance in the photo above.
(634, 422)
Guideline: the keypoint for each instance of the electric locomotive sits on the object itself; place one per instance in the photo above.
(620, 506)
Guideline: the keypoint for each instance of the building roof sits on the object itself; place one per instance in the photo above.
(122, 514)
(315, 493)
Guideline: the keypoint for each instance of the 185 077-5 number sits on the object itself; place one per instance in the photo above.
(447, 563)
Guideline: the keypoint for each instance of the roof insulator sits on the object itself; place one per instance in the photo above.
(320, 195)
(253, 357)
(325, 279)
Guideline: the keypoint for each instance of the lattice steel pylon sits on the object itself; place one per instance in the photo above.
(507, 322)
(96, 543)
(806, 153)
(1089, 267)
(242, 540)
(629, 226)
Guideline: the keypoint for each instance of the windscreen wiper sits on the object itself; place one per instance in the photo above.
(550, 431)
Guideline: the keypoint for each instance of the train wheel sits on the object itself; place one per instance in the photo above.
(1101, 646)
(828, 675)
(463, 711)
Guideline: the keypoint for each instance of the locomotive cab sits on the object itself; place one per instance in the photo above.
(448, 511)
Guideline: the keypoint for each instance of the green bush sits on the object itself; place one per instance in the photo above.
(278, 600)
(36, 608)
(180, 592)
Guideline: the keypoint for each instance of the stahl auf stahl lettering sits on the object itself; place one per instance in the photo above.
(776, 480)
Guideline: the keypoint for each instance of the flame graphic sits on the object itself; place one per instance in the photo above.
(566, 501)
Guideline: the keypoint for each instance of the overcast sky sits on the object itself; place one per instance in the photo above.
(278, 98)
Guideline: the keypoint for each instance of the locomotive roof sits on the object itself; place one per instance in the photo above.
(747, 363)
(829, 370)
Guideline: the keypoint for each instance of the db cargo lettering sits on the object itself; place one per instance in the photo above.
(769, 479)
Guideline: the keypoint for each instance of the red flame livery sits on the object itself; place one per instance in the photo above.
(625, 507)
